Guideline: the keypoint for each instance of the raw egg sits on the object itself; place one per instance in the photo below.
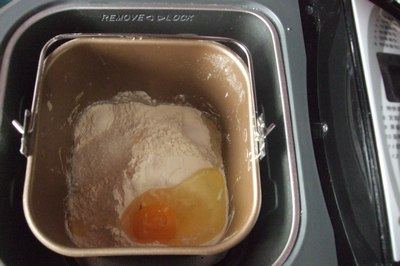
(193, 212)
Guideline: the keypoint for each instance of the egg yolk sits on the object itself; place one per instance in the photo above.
(155, 222)
(190, 213)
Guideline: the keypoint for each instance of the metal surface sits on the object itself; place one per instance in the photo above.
(260, 128)
(134, 53)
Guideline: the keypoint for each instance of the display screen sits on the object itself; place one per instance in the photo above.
(390, 68)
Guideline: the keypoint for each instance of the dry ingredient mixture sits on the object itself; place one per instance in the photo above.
(123, 148)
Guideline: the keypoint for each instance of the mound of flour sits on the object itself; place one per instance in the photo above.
(125, 147)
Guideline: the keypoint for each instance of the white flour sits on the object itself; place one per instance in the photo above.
(223, 66)
(123, 148)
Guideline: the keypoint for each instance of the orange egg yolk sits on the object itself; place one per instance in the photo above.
(155, 222)
(190, 213)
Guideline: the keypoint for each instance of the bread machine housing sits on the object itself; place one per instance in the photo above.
(293, 224)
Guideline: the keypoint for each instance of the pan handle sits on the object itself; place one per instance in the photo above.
(23, 130)
(261, 133)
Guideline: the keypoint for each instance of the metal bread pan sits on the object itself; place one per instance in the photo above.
(77, 70)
